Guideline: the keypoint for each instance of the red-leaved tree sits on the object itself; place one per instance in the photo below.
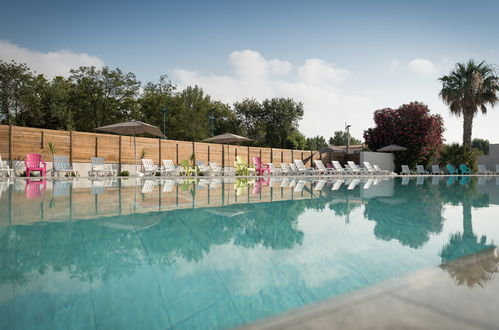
(411, 126)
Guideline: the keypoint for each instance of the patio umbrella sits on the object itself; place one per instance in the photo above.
(133, 127)
(226, 138)
(391, 148)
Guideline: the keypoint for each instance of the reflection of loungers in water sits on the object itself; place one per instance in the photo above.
(202, 183)
(464, 180)
(337, 184)
(435, 180)
(285, 183)
(168, 186)
(497, 181)
(98, 186)
(62, 188)
(368, 184)
(481, 181)
(214, 183)
(273, 182)
(292, 183)
(320, 185)
(299, 186)
(420, 180)
(451, 180)
(352, 184)
(148, 187)
(405, 181)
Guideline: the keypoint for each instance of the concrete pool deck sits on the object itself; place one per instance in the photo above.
(463, 294)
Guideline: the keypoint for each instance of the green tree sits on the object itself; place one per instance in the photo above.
(55, 105)
(188, 115)
(340, 139)
(222, 119)
(316, 143)
(154, 98)
(295, 140)
(19, 94)
(469, 88)
(481, 145)
(251, 116)
(281, 118)
(102, 97)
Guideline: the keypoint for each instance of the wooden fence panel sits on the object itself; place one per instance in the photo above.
(108, 147)
(201, 150)
(4, 142)
(84, 146)
(168, 150)
(184, 150)
(265, 155)
(216, 153)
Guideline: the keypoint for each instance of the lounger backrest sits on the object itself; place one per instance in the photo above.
(405, 169)
(377, 168)
(285, 167)
(294, 168)
(168, 164)
(61, 163)
(435, 169)
(481, 168)
(319, 164)
(352, 165)
(337, 165)
(214, 166)
(148, 164)
(420, 169)
(271, 166)
(98, 163)
(202, 167)
(368, 166)
(299, 164)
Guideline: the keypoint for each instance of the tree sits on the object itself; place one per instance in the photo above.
(223, 119)
(316, 143)
(340, 139)
(481, 145)
(468, 88)
(251, 116)
(102, 97)
(281, 118)
(154, 98)
(19, 94)
(295, 140)
(188, 115)
(411, 126)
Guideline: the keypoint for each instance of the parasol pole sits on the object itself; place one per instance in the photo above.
(135, 153)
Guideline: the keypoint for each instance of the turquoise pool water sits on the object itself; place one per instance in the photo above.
(147, 254)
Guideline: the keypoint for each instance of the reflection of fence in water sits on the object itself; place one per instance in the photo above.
(62, 201)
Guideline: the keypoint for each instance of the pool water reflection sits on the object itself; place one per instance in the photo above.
(221, 253)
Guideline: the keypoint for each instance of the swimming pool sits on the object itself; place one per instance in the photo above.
(202, 254)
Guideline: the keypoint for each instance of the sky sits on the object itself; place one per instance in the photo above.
(342, 60)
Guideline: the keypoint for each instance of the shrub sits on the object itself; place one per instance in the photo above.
(456, 154)
(124, 173)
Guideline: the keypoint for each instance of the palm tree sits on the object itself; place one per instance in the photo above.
(468, 88)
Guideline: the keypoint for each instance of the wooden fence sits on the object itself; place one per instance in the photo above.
(16, 142)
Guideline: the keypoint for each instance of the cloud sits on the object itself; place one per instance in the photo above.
(395, 64)
(51, 63)
(316, 83)
(422, 66)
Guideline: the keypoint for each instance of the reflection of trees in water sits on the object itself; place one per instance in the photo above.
(465, 243)
(117, 246)
(475, 269)
(410, 216)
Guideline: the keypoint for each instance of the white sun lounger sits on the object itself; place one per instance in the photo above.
(435, 169)
(149, 167)
(5, 169)
(61, 165)
(483, 170)
(421, 170)
(99, 166)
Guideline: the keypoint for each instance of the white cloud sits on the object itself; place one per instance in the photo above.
(395, 64)
(422, 66)
(50, 63)
(316, 84)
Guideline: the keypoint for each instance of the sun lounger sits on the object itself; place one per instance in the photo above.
(370, 169)
(302, 169)
(451, 169)
(99, 167)
(483, 170)
(274, 170)
(286, 169)
(5, 169)
(356, 169)
(464, 169)
(338, 168)
(61, 165)
(380, 171)
(421, 170)
(406, 170)
(202, 168)
(169, 168)
(321, 169)
(149, 167)
(215, 169)
(435, 170)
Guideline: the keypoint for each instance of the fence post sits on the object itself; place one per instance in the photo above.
(11, 156)
(96, 146)
(176, 152)
(159, 158)
(248, 154)
(208, 153)
(260, 154)
(119, 163)
(71, 147)
(193, 154)
(292, 158)
(282, 157)
(271, 155)
(311, 158)
(43, 139)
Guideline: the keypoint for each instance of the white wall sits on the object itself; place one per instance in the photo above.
(492, 158)
(382, 159)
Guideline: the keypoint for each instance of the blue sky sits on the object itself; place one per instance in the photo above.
(342, 60)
